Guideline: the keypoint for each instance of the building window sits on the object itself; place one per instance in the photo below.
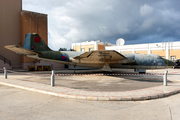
(90, 49)
(173, 58)
(82, 49)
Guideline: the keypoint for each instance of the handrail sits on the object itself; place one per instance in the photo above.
(5, 60)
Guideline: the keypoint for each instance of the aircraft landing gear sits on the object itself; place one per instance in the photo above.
(106, 68)
(107, 72)
(74, 69)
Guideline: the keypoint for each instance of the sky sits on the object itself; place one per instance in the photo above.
(135, 21)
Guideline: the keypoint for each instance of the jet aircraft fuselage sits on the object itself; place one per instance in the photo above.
(35, 47)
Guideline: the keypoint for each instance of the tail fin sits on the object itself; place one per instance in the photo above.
(35, 43)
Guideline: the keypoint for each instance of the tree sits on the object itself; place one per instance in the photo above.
(62, 49)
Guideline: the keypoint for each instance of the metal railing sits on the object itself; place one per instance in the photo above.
(5, 60)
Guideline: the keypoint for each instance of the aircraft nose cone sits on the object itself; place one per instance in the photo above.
(168, 62)
(171, 63)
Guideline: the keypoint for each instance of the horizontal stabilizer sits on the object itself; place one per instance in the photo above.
(20, 50)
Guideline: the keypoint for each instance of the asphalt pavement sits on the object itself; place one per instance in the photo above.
(18, 104)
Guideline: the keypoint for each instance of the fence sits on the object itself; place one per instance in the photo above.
(53, 75)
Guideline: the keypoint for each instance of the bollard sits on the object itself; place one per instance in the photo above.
(5, 73)
(52, 78)
(165, 78)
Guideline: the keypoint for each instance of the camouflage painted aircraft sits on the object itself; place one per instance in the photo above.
(35, 47)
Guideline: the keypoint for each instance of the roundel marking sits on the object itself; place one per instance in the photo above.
(37, 39)
(63, 57)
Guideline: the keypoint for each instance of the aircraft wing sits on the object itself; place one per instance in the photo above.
(102, 55)
(20, 50)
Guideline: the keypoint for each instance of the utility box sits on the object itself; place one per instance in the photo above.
(47, 68)
(39, 68)
(31, 68)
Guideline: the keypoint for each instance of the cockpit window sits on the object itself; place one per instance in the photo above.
(156, 56)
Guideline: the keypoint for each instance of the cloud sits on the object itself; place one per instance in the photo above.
(146, 10)
(71, 21)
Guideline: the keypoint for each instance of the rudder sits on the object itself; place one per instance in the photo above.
(35, 43)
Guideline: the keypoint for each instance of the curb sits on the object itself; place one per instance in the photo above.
(97, 98)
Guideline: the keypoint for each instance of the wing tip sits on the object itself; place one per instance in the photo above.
(19, 50)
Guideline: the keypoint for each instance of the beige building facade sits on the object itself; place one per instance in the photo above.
(87, 46)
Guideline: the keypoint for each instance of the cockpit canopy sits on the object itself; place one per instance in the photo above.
(156, 56)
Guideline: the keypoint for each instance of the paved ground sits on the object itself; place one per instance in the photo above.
(98, 87)
(17, 104)
(96, 83)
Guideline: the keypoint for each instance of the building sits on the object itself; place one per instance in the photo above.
(15, 24)
(32, 22)
(10, 32)
(87, 46)
(168, 50)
